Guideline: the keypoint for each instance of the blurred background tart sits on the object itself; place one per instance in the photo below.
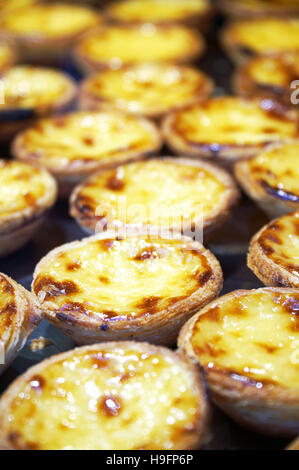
(142, 287)
(195, 13)
(125, 395)
(117, 46)
(44, 33)
(268, 77)
(174, 194)
(271, 178)
(228, 128)
(245, 40)
(274, 252)
(246, 343)
(245, 9)
(74, 145)
(27, 193)
(28, 92)
(7, 56)
(150, 90)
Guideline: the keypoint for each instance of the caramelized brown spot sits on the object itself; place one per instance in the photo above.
(6, 286)
(30, 200)
(74, 266)
(60, 121)
(273, 238)
(74, 307)
(114, 183)
(148, 253)
(149, 304)
(10, 309)
(296, 227)
(175, 300)
(37, 383)
(267, 347)
(214, 314)
(110, 406)
(100, 361)
(54, 288)
(204, 277)
(104, 280)
(88, 141)
(127, 376)
(106, 245)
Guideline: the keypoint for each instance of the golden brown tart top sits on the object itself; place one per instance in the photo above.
(220, 124)
(156, 11)
(274, 173)
(116, 46)
(111, 279)
(267, 36)
(86, 139)
(51, 22)
(25, 191)
(148, 89)
(122, 395)
(249, 336)
(169, 193)
(41, 88)
(279, 243)
(9, 318)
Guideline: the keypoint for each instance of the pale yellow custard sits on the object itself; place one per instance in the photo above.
(106, 397)
(276, 171)
(268, 36)
(252, 335)
(231, 121)
(156, 11)
(113, 279)
(25, 86)
(280, 242)
(49, 21)
(148, 89)
(116, 46)
(22, 188)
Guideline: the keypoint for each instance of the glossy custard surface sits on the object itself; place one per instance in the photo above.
(280, 242)
(180, 193)
(114, 398)
(26, 86)
(147, 43)
(147, 88)
(22, 187)
(267, 35)
(88, 137)
(115, 279)
(157, 10)
(231, 121)
(253, 335)
(50, 21)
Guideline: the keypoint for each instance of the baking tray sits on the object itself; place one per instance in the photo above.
(230, 246)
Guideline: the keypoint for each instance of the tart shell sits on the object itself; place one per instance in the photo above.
(187, 440)
(28, 317)
(271, 410)
(269, 272)
(161, 328)
(239, 10)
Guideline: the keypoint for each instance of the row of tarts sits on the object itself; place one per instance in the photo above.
(151, 284)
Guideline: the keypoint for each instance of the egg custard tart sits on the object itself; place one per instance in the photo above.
(228, 128)
(173, 194)
(118, 46)
(28, 92)
(189, 12)
(271, 178)
(274, 252)
(26, 194)
(110, 396)
(269, 77)
(247, 343)
(259, 8)
(7, 56)
(150, 90)
(139, 287)
(74, 145)
(244, 40)
(19, 315)
(8, 6)
(44, 33)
